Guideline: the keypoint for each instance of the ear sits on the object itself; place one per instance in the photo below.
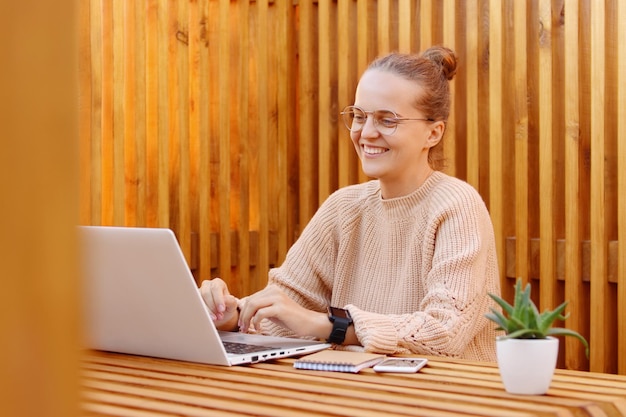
(436, 133)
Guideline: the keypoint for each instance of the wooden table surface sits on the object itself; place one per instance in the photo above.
(129, 386)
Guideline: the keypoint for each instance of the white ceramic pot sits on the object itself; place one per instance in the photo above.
(527, 365)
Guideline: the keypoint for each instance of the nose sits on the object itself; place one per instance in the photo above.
(369, 129)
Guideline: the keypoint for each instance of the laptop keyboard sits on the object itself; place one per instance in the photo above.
(239, 348)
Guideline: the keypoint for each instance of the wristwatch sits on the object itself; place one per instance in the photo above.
(341, 320)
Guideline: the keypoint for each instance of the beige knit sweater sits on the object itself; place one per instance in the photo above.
(413, 271)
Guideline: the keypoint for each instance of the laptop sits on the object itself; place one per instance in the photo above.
(141, 298)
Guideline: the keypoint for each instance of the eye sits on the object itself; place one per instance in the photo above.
(387, 121)
(358, 117)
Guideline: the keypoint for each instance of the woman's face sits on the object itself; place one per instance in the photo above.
(400, 160)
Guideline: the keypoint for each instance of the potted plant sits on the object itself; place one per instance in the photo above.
(528, 350)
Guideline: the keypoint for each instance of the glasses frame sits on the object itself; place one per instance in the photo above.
(398, 120)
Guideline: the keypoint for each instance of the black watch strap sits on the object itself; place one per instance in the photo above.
(340, 322)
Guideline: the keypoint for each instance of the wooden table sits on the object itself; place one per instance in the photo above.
(129, 386)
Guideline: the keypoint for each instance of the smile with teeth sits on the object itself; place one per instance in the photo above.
(373, 150)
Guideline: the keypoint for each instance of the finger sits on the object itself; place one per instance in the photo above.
(207, 297)
(248, 307)
(254, 309)
(243, 317)
(268, 312)
(214, 294)
(231, 303)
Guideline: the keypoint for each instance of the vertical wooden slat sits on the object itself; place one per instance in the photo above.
(225, 139)
(140, 102)
(285, 84)
(244, 162)
(367, 42)
(171, 136)
(599, 282)
(522, 238)
(621, 192)
(426, 26)
(173, 103)
(118, 205)
(212, 30)
(471, 87)
(86, 112)
(184, 169)
(194, 118)
(383, 27)
(574, 351)
(449, 40)
(483, 92)
(152, 112)
(524, 65)
(129, 110)
(405, 26)
(107, 138)
(365, 46)
(546, 168)
(347, 161)
(95, 183)
(326, 40)
(264, 138)
(307, 109)
(496, 178)
(163, 116)
(205, 246)
(272, 143)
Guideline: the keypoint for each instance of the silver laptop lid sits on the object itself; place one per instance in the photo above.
(141, 298)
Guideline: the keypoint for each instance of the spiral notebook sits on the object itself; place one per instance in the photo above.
(338, 361)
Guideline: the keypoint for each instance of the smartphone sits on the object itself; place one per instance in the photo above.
(403, 365)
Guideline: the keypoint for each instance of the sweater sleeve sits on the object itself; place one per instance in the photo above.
(307, 273)
(459, 268)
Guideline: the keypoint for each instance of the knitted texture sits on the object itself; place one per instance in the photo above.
(413, 271)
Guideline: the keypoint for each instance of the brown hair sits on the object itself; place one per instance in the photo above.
(432, 69)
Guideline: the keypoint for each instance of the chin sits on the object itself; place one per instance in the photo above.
(371, 172)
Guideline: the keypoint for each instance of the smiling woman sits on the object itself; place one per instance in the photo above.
(410, 88)
(408, 258)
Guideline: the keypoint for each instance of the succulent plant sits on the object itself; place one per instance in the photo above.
(522, 320)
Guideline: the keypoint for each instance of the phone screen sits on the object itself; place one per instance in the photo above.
(405, 363)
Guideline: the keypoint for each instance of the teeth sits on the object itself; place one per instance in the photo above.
(373, 151)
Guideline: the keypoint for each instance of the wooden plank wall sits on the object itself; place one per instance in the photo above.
(219, 119)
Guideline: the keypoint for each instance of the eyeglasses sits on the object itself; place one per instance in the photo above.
(385, 121)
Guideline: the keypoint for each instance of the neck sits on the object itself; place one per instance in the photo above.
(395, 189)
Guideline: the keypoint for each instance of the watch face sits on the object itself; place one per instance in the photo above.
(339, 312)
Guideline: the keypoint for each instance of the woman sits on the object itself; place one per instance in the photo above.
(406, 260)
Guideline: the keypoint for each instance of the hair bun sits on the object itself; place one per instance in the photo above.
(444, 57)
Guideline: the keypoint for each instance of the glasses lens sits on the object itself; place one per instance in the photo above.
(386, 121)
(354, 118)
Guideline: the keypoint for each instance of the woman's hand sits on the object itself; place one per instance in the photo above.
(273, 304)
(222, 305)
